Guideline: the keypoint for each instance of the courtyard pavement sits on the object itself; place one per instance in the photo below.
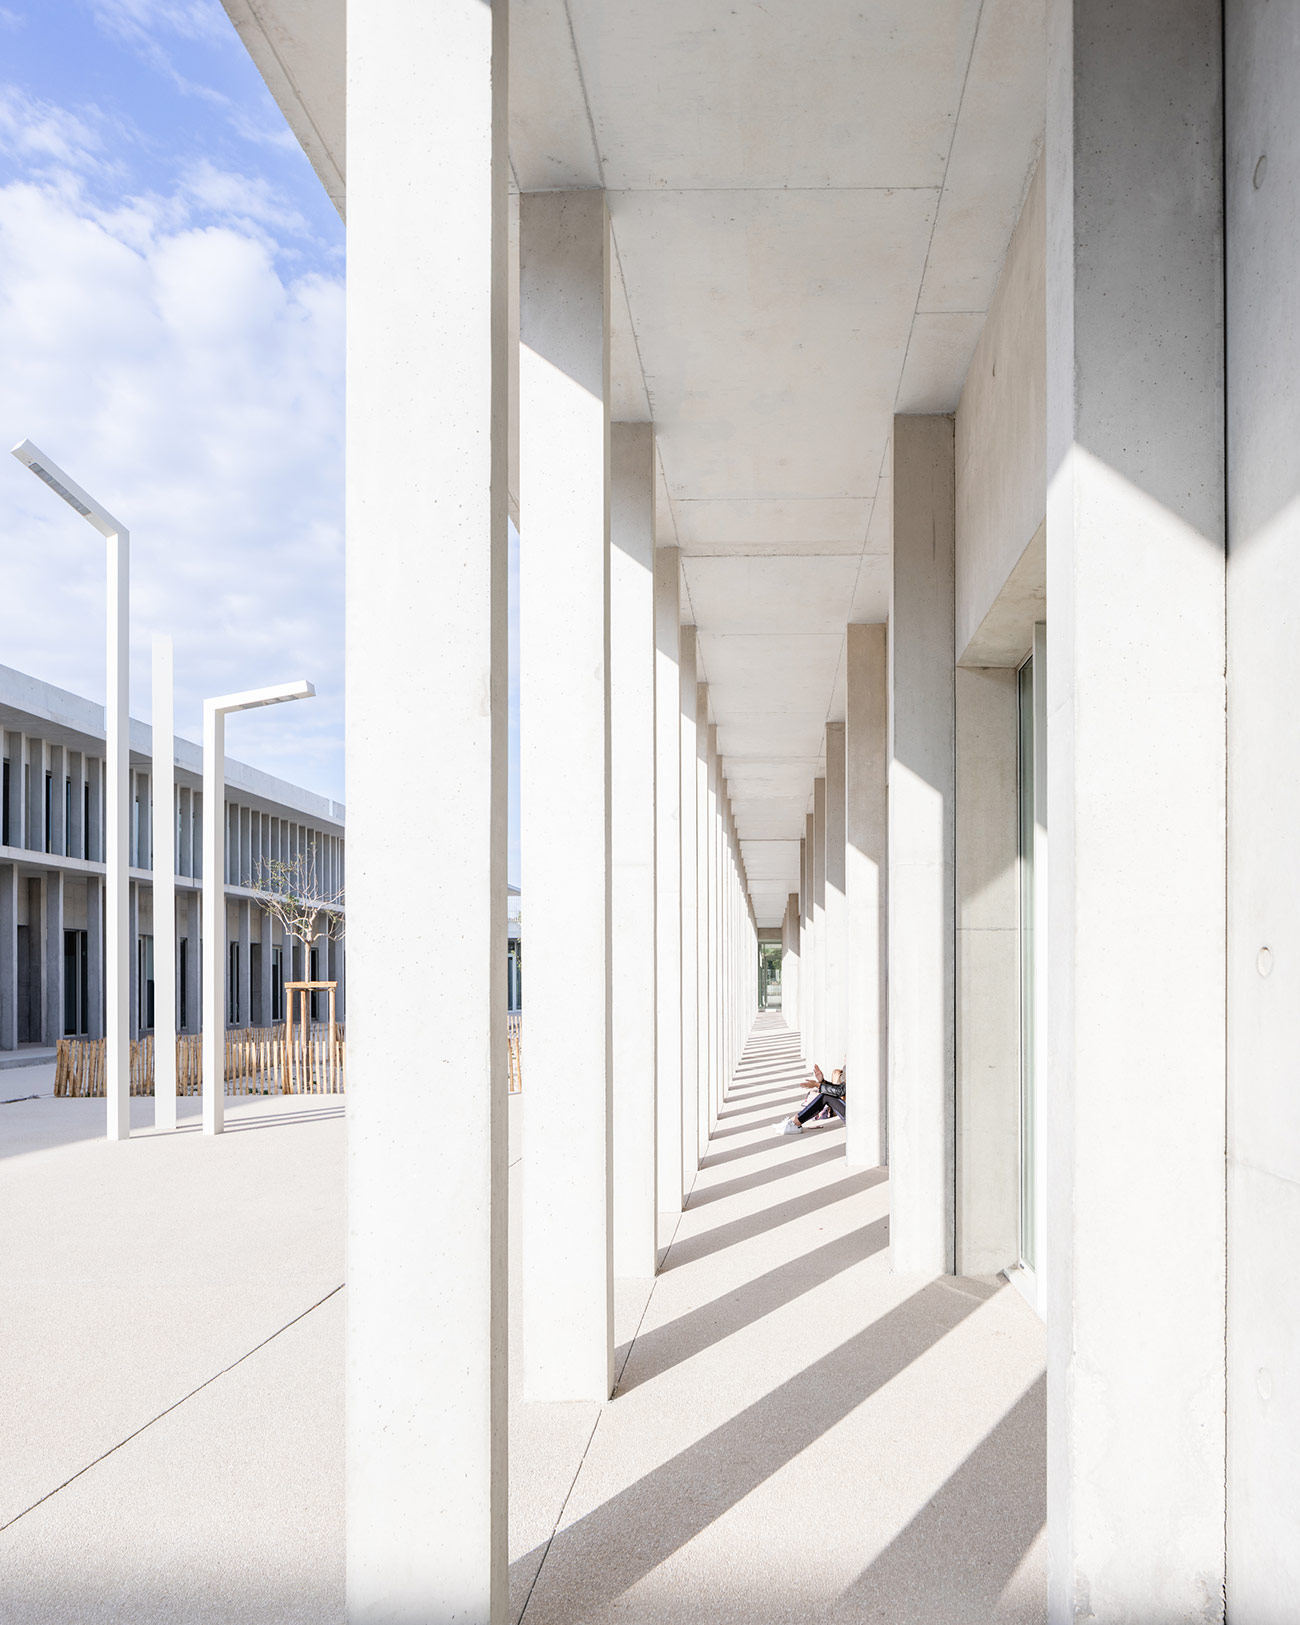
(797, 1434)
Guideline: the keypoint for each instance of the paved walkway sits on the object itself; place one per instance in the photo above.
(798, 1435)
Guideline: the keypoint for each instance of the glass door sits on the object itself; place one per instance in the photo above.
(1026, 823)
(1033, 873)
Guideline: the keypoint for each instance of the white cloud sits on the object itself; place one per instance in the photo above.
(41, 133)
(197, 391)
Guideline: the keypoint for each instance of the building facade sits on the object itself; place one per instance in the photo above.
(52, 877)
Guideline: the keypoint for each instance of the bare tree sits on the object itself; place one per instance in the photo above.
(290, 890)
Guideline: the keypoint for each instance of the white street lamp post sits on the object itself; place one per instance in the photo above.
(117, 943)
(164, 885)
(214, 884)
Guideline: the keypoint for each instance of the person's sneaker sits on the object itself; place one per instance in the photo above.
(792, 1125)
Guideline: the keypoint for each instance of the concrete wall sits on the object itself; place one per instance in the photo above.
(1263, 227)
(1001, 456)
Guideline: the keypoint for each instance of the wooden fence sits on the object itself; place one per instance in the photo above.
(258, 1062)
(514, 1043)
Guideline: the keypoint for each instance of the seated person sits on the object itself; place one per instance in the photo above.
(829, 1095)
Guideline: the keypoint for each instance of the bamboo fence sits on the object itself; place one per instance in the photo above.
(514, 1048)
(259, 1061)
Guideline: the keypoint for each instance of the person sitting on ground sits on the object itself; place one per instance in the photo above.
(828, 1095)
(814, 1089)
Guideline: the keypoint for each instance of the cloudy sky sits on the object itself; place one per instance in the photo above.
(171, 327)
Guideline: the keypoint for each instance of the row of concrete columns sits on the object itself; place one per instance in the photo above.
(626, 1065)
(52, 798)
(642, 957)
(1135, 707)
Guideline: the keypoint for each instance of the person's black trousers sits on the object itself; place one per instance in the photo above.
(814, 1106)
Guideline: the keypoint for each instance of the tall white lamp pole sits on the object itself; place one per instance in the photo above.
(214, 884)
(164, 886)
(117, 942)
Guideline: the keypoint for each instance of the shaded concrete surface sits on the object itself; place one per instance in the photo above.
(797, 1433)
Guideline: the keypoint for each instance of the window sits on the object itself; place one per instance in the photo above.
(67, 816)
(184, 951)
(85, 821)
(4, 809)
(76, 992)
(49, 810)
(144, 984)
(277, 984)
(232, 990)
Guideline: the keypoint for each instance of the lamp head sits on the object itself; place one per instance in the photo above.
(48, 471)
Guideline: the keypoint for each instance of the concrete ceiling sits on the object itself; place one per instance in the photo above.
(811, 204)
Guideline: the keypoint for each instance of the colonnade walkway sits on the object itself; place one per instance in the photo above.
(797, 1434)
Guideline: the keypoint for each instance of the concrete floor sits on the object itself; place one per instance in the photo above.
(797, 1434)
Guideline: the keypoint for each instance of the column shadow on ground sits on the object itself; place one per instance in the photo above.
(956, 1557)
(690, 1249)
(764, 1176)
(662, 1347)
(602, 1555)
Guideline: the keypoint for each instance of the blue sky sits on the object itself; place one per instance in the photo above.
(171, 318)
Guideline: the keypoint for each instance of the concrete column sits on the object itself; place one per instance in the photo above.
(58, 834)
(34, 813)
(714, 923)
(565, 791)
(865, 733)
(989, 946)
(164, 884)
(133, 957)
(920, 840)
(426, 633)
(194, 957)
(632, 847)
(1136, 773)
(244, 911)
(53, 941)
(821, 997)
(805, 947)
(668, 879)
(690, 948)
(185, 864)
(703, 873)
(837, 925)
(143, 856)
(267, 926)
(790, 962)
(1263, 222)
(95, 828)
(94, 956)
(8, 956)
(75, 833)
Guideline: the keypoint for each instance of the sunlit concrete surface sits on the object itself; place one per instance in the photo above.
(171, 1343)
(797, 1434)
